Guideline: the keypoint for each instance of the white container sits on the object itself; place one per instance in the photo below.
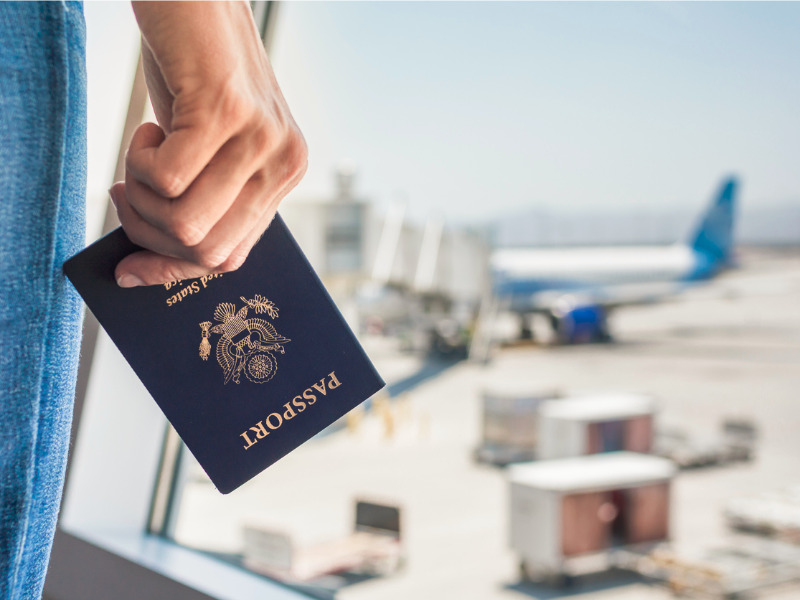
(580, 425)
(510, 423)
(572, 507)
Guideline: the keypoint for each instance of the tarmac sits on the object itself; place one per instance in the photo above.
(729, 348)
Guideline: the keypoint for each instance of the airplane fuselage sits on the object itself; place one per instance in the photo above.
(568, 268)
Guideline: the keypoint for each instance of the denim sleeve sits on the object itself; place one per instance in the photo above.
(42, 189)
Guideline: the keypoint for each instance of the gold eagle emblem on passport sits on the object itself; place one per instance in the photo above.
(245, 345)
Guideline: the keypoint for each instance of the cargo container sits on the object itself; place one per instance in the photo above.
(575, 426)
(509, 431)
(565, 509)
(373, 548)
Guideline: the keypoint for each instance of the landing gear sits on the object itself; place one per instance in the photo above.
(525, 329)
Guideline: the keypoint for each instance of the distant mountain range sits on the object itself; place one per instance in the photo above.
(772, 225)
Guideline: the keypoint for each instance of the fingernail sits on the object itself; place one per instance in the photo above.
(127, 280)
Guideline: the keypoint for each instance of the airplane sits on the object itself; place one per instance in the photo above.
(577, 287)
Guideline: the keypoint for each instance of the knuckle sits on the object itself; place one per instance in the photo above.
(210, 258)
(187, 233)
(170, 272)
(233, 106)
(232, 263)
(262, 139)
(130, 160)
(167, 183)
(302, 158)
(253, 212)
(296, 155)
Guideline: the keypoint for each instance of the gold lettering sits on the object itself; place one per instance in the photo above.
(289, 412)
(320, 388)
(309, 396)
(291, 409)
(206, 278)
(269, 423)
(333, 383)
(247, 439)
(259, 430)
(191, 287)
(298, 402)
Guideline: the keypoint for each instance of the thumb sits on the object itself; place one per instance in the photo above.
(148, 268)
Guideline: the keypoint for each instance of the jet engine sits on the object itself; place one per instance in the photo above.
(576, 322)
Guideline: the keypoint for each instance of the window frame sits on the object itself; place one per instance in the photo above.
(104, 546)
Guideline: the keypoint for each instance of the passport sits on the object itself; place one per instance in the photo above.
(245, 365)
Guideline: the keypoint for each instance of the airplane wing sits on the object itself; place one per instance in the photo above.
(608, 297)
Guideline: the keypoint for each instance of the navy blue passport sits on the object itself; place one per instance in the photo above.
(246, 365)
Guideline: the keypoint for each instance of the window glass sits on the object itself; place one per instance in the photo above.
(443, 133)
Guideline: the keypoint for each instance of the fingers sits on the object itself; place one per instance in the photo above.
(212, 251)
(241, 227)
(190, 217)
(224, 248)
(150, 268)
(226, 220)
(170, 164)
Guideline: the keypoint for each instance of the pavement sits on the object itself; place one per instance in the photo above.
(730, 348)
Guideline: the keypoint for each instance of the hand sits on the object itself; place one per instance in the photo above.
(202, 186)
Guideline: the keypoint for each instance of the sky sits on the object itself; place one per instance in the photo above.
(473, 110)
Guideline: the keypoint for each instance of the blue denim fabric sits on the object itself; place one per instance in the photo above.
(42, 189)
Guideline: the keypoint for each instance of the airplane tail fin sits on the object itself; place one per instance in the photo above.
(713, 237)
